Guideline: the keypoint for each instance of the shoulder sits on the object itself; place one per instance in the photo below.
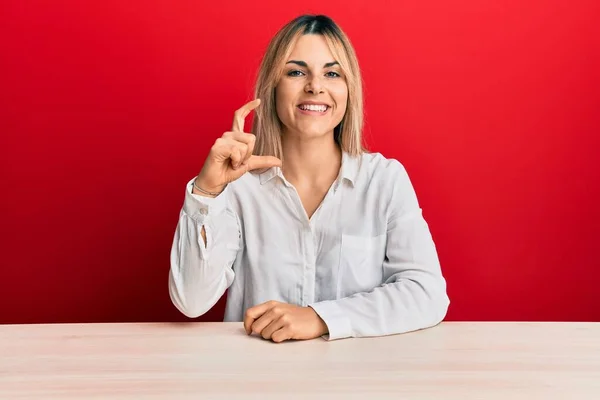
(375, 167)
(388, 179)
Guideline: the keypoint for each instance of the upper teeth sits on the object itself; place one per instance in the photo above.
(312, 107)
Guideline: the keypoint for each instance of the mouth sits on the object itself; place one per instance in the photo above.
(313, 109)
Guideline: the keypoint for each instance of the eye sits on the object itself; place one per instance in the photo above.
(294, 73)
(335, 74)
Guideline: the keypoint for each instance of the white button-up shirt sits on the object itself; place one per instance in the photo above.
(365, 261)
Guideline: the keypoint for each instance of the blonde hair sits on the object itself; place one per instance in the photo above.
(266, 124)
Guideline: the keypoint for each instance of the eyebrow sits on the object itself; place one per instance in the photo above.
(303, 64)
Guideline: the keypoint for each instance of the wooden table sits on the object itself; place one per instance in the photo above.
(485, 360)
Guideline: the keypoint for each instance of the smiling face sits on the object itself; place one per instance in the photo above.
(312, 94)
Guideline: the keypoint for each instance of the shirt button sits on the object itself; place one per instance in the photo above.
(203, 211)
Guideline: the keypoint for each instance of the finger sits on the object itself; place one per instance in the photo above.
(236, 156)
(224, 147)
(240, 115)
(258, 162)
(234, 150)
(247, 138)
(253, 313)
(275, 325)
(243, 151)
(281, 335)
(265, 320)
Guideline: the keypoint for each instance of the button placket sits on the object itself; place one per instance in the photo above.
(308, 288)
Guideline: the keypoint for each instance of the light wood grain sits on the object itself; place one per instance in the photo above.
(485, 360)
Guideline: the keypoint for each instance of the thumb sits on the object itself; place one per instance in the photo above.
(259, 162)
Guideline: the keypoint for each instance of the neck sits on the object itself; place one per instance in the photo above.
(311, 162)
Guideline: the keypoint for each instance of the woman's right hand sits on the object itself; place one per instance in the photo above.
(231, 155)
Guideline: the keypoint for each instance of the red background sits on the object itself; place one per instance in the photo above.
(108, 108)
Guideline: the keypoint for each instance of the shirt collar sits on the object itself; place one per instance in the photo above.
(348, 170)
(269, 174)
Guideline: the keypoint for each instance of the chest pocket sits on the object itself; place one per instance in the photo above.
(361, 264)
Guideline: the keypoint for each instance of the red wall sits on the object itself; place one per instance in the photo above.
(109, 107)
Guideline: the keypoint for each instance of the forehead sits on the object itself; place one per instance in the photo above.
(312, 49)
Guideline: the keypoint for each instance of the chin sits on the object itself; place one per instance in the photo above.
(313, 134)
(313, 131)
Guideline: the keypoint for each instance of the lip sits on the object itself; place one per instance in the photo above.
(313, 113)
(314, 103)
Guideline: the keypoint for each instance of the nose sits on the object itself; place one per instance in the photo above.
(314, 85)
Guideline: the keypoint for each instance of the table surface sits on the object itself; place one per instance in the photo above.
(196, 360)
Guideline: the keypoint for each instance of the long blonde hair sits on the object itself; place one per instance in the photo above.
(266, 124)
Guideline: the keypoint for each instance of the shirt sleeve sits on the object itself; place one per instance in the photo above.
(199, 273)
(413, 296)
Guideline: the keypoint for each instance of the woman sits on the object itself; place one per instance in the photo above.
(311, 235)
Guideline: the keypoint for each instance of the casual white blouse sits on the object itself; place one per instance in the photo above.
(365, 261)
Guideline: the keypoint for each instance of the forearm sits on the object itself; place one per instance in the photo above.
(197, 189)
(201, 265)
(412, 296)
(401, 305)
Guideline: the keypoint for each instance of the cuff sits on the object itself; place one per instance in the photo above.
(337, 322)
(200, 207)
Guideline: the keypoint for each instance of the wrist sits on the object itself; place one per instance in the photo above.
(322, 326)
(200, 188)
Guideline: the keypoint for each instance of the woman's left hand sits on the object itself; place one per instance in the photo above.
(281, 321)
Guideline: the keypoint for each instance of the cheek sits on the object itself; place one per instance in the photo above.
(340, 97)
(284, 97)
(280, 102)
